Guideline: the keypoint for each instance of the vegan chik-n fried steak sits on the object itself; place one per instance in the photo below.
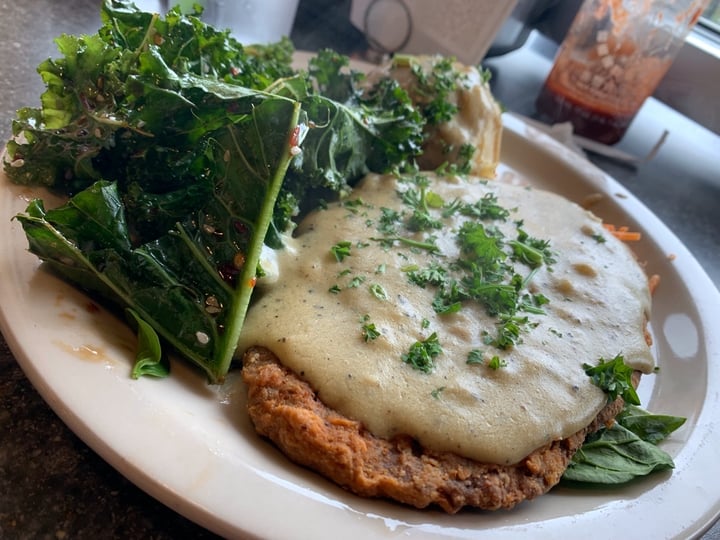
(285, 409)
(457, 337)
(426, 342)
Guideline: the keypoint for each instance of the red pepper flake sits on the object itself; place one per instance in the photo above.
(228, 273)
(240, 227)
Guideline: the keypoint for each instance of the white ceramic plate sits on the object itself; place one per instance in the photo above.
(191, 445)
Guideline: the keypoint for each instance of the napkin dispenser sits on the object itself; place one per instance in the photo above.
(464, 29)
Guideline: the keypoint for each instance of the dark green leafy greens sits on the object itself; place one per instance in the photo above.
(149, 358)
(625, 450)
(207, 259)
(183, 154)
(615, 378)
(421, 355)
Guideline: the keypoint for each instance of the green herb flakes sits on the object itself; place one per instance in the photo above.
(436, 393)
(615, 378)
(421, 355)
(475, 357)
(369, 330)
(341, 250)
(378, 291)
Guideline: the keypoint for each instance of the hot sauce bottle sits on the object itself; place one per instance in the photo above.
(613, 57)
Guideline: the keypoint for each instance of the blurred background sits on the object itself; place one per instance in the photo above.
(691, 86)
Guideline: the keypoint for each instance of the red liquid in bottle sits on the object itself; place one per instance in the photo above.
(600, 94)
(604, 126)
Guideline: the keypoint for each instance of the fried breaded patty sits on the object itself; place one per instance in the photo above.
(286, 410)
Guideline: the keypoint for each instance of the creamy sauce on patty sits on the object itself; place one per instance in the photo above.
(316, 317)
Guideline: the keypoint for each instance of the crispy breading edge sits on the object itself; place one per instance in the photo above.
(286, 410)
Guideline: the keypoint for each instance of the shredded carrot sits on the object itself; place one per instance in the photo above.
(653, 283)
(623, 233)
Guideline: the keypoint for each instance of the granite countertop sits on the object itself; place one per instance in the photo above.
(54, 486)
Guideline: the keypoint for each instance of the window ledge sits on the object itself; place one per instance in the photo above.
(692, 83)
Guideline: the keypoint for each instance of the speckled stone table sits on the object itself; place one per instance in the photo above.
(52, 486)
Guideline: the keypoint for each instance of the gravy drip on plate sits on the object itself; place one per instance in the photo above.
(315, 320)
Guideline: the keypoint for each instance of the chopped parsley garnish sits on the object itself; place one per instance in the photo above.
(451, 208)
(615, 378)
(488, 268)
(378, 291)
(484, 271)
(462, 165)
(486, 208)
(496, 363)
(475, 357)
(369, 331)
(341, 250)
(448, 299)
(497, 297)
(531, 303)
(434, 274)
(389, 241)
(486, 75)
(421, 355)
(434, 86)
(483, 249)
(433, 200)
(532, 251)
(508, 332)
(353, 204)
(389, 220)
(420, 202)
(436, 393)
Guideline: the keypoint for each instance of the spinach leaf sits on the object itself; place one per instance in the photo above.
(616, 455)
(652, 428)
(624, 451)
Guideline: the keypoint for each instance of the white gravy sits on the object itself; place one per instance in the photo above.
(598, 305)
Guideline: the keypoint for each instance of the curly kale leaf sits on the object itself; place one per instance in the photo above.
(353, 127)
(96, 102)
